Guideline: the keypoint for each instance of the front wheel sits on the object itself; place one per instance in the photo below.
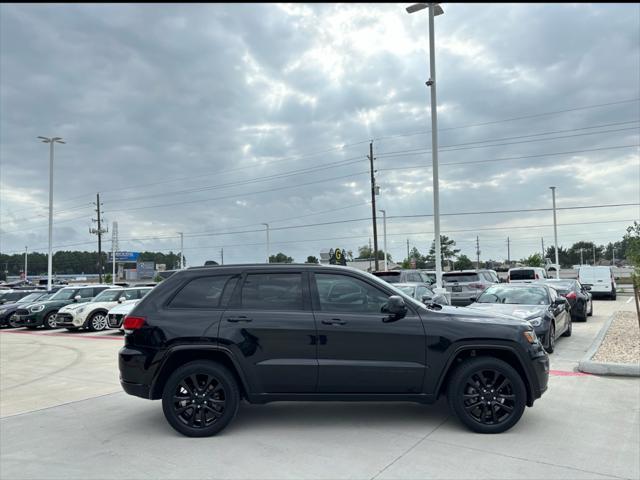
(551, 339)
(49, 321)
(98, 322)
(487, 395)
(200, 399)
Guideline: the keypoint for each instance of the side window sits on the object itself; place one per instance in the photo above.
(87, 292)
(94, 291)
(495, 278)
(341, 293)
(420, 292)
(130, 294)
(272, 291)
(143, 292)
(203, 292)
(487, 276)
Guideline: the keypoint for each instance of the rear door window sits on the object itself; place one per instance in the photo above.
(272, 291)
(204, 292)
(88, 292)
(460, 277)
(522, 275)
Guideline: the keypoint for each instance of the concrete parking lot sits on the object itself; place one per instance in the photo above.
(64, 416)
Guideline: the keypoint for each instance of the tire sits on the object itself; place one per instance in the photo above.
(551, 339)
(97, 322)
(31, 327)
(613, 294)
(569, 329)
(466, 381)
(49, 321)
(216, 388)
(72, 329)
(590, 312)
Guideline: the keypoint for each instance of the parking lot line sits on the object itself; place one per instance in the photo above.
(74, 335)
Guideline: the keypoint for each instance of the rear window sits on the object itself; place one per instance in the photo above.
(460, 277)
(391, 277)
(522, 275)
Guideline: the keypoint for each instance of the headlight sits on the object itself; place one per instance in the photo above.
(530, 336)
(37, 308)
(535, 321)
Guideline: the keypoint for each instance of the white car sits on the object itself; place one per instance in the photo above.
(599, 280)
(93, 315)
(116, 315)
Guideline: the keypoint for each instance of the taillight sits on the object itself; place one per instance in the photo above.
(571, 296)
(132, 323)
(475, 285)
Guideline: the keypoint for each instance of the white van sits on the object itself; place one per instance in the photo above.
(526, 274)
(599, 280)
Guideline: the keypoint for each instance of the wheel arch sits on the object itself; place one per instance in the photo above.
(503, 352)
(91, 314)
(181, 356)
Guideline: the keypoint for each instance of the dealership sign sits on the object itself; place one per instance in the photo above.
(125, 256)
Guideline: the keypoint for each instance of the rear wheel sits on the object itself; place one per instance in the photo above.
(590, 312)
(487, 395)
(200, 399)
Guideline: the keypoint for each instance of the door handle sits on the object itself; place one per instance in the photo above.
(241, 318)
(333, 321)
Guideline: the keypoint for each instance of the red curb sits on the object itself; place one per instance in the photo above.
(562, 373)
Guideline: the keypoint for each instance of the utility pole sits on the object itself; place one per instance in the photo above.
(594, 253)
(26, 250)
(384, 234)
(478, 252)
(370, 254)
(555, 231)
(407, 249)
(581, 260)
(268, 241)
(99, 231)
(542, 240)
(222, 256)
(373, 206)
(114, 249)
(181, 247)
(508, 252)
(613, 256)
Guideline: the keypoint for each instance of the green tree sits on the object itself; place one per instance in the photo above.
(366, 253)
(280, 258)
(447, 250)
(312, 259)
(534, 260)
(463, 263)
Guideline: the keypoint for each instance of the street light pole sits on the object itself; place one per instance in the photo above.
(384, 231)
(555, 231)
(434, 10)
(26, 252)
(268, 241)
(181, 247)
(50, 141)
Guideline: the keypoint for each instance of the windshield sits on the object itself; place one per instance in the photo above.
(108, 296)
(390, 277)
(408, 289)
(64, 294)
(514, 295)
(31, 297)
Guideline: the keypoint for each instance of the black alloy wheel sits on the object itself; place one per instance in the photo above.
(487, 395)
(200, 399)
(551, 338)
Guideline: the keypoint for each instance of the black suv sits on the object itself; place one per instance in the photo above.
(209, 336)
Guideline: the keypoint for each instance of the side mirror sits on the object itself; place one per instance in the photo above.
(396, 307)
(77, 298)
(427, 299)
(121, 299)
(586, 287)
(559, 301)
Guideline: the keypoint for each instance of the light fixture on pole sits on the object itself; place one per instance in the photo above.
(434, 10)
(50, 141)
(555, 231)
(384, 230)
(268, 241)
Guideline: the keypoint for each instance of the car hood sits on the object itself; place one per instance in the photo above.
(124, 307)
(513, 310)
(54, 303)
(473, 315)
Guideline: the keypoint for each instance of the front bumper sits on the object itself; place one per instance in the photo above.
(28, 320)
(67, 319)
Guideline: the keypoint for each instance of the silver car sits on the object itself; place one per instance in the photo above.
(466, 285)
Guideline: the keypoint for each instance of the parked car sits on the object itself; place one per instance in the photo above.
(526, 274)
(430, 276)
(208, 336)
(116, 315)
(92, 315)
(402, 276)
(539, 304)
(466, 285)
(578, 296)
(600, 280)
(44, 313)
(422, 292)
(11, 296)
(8, 309)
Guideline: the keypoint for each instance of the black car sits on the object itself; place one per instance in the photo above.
(578, 296)
(8, 309)
(13, 295)
(539, 304)
(208, 336)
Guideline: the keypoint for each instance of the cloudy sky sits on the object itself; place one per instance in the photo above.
(213, 119)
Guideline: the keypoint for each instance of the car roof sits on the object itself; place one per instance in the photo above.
(411, 284)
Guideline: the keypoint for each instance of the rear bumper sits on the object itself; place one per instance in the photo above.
(135, 389)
